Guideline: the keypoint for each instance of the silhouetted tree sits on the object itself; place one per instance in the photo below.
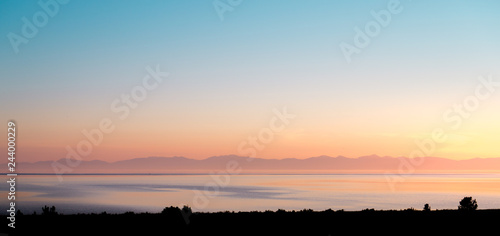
(177, 215)
(468, 204)
(427, 207)
(186, 209)
(186, 213)
(49, 211)
(170, 210)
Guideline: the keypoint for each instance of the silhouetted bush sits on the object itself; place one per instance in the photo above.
(427, 207)
(467, 204)
(170, 210)
(280, 211)
(49, 211)
(187, 210)
(175, 214)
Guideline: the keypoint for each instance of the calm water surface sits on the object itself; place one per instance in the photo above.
(140, 193)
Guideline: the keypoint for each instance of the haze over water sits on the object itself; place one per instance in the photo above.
(140, 193)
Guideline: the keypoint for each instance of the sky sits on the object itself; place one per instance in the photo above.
(275, 72)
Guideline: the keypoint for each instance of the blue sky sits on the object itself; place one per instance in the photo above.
(228, 75)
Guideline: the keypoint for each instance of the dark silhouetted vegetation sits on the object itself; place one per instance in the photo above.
(49, 211)
(468, 204)
(427, 207)
(19, 213)
(182, 221)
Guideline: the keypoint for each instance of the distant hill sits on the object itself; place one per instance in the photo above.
(313, 165)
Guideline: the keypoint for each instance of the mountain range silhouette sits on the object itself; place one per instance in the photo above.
(312, 165)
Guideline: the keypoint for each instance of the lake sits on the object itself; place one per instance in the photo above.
(141, 193)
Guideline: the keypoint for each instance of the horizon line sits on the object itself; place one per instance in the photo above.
(288, 158)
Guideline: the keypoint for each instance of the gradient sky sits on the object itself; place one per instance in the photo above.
(227, 76)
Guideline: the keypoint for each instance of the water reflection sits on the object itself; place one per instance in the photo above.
(117, 193)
